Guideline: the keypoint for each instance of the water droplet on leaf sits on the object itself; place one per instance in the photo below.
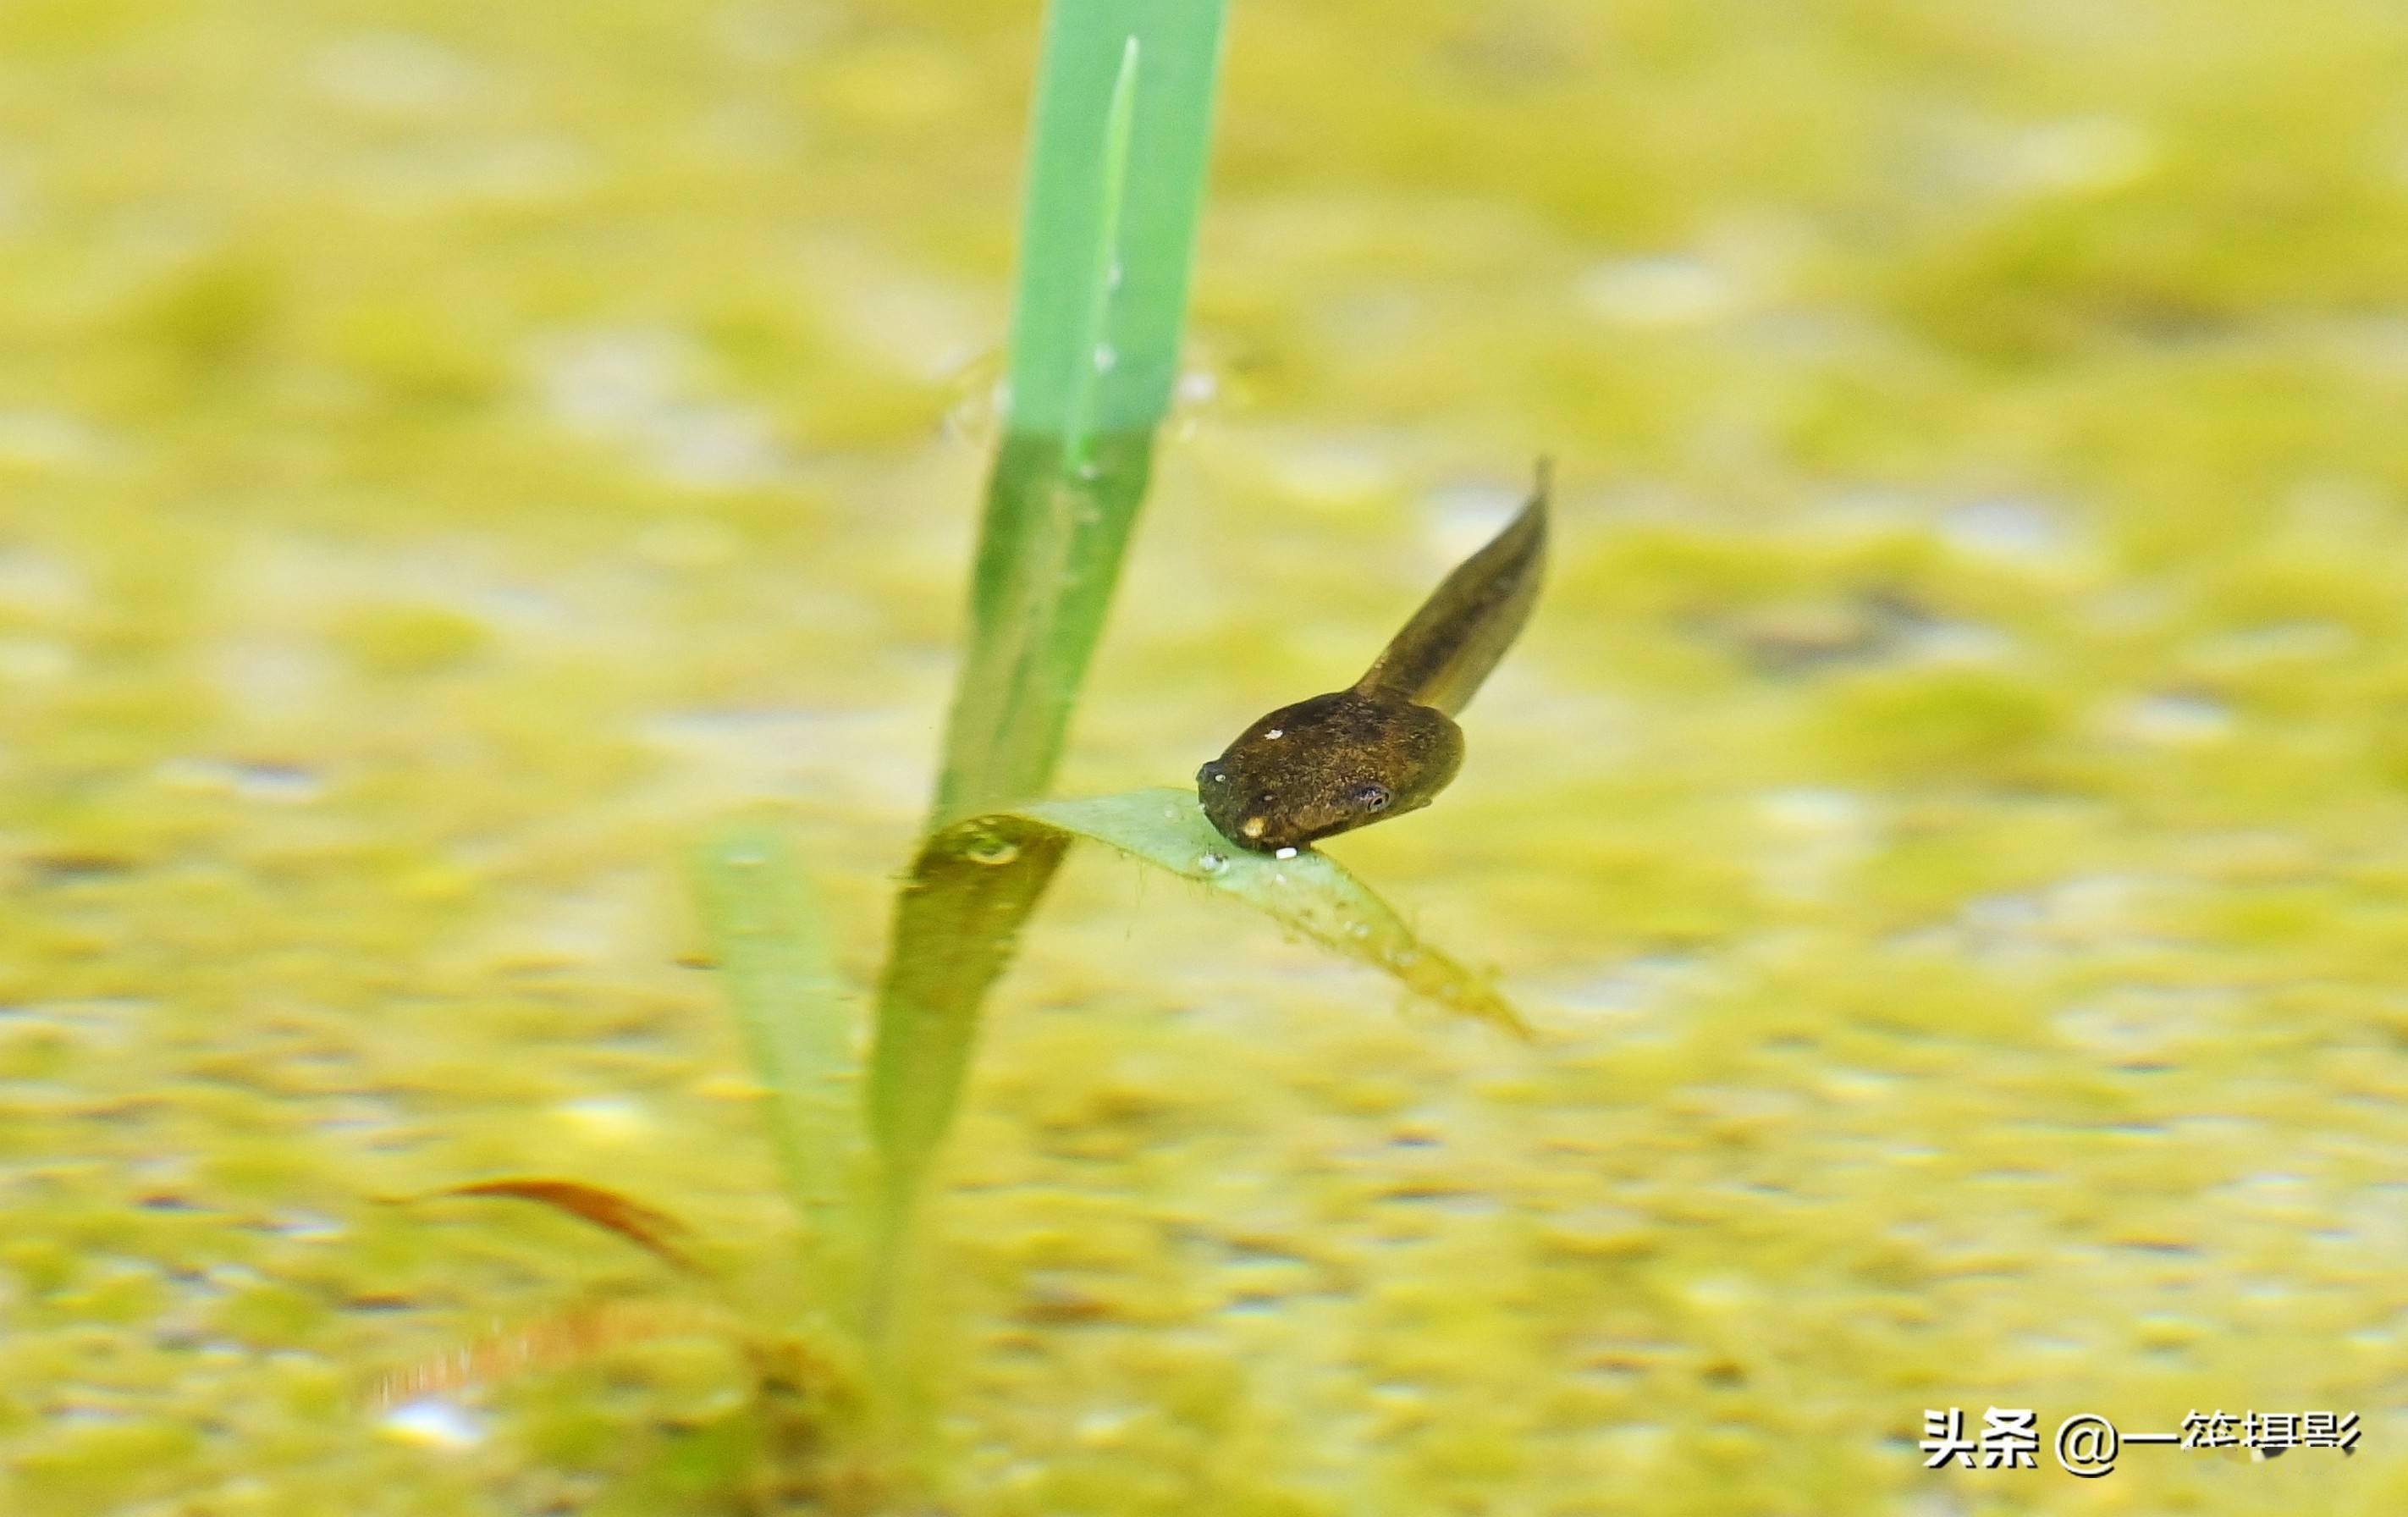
(979, 400)
(991, 850)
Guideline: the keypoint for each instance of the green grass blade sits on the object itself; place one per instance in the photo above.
(766, 931)
(1116, 181)
(1311, 894)
(1088, 379)
(1116, 178)
(1047, 559)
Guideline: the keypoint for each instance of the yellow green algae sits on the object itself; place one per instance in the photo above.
(1946, 820)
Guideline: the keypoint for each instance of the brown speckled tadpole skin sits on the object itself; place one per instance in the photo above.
(1388, 744)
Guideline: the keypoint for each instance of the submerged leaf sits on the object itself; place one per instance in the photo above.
(655, 1231)
(559, 1341)
(1309, 893)
(766, 932)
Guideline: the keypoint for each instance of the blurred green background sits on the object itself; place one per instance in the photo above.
(1947, 817)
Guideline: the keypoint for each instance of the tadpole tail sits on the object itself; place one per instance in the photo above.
(1444, 653)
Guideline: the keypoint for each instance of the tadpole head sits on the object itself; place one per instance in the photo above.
(1327, 765)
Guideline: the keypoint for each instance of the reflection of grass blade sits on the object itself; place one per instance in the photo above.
(957, 925)
(765, 929)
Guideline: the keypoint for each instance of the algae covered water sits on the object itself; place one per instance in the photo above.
(1945, 827)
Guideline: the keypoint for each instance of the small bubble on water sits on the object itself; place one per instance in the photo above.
(1285, 853)
(992, 851)
(1105, 357)
(1210, 863)
(1358, 929)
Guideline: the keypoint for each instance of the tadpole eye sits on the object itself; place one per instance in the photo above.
(1210, 772)
(1369, 797)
